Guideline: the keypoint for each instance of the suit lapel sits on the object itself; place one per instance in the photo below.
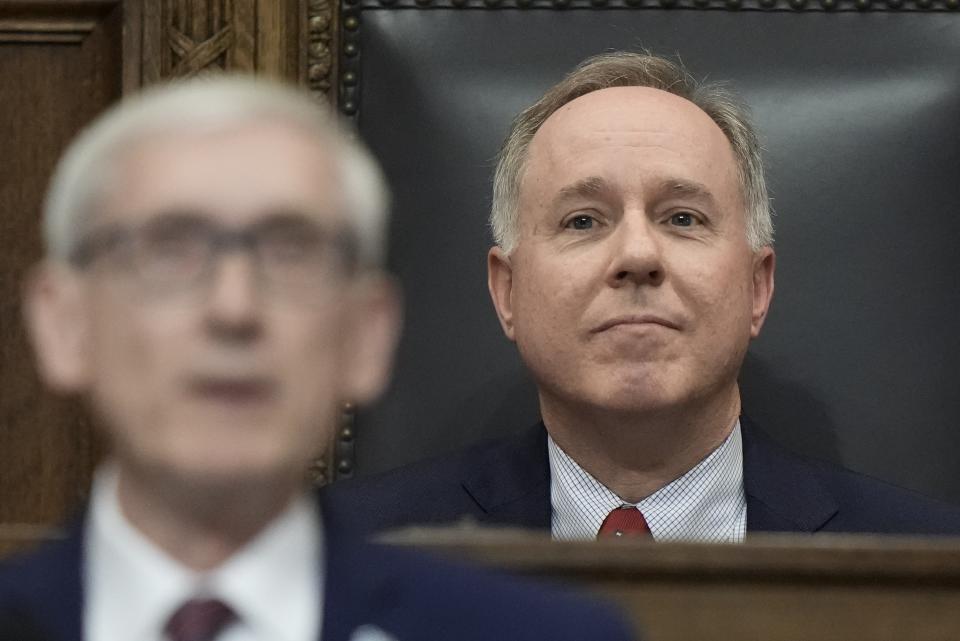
(783, 491)
(511, 482)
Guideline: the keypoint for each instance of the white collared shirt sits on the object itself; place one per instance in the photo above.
(274, 584)
(705, 504)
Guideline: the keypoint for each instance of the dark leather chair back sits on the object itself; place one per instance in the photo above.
(859, 108)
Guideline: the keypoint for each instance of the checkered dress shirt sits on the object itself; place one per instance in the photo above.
(705, 504)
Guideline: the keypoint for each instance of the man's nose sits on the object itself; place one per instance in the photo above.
(636, 252)
(234, 296)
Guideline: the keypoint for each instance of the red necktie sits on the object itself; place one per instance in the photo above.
(199, 620)
(626, 521)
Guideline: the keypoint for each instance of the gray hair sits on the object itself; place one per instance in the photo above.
(208, 104)
(624, 69)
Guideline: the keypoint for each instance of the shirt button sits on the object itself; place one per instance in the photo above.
(618, 533)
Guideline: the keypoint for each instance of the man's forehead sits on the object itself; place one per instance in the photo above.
(236, 172)
(617, 110)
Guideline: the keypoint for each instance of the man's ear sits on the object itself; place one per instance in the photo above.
(58, 325)
(373, 334)
(500, 284)
(764, 265)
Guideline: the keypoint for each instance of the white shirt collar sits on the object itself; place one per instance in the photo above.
(274, 583)
(705, 504)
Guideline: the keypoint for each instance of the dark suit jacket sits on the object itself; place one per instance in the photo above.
(408, 595)
(507, 482)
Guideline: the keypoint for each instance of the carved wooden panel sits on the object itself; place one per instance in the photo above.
(182, 38)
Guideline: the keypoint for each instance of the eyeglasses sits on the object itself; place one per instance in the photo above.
(178, 252)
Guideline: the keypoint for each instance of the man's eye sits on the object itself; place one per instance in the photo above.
(582, 221)
(683, 219)
(174, 239)
(290, 245)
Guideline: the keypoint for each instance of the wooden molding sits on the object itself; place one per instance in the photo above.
(318, 72)
(48, 31)
(321, 39)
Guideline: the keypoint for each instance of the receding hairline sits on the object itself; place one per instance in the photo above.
(596, 183)
(653, 93)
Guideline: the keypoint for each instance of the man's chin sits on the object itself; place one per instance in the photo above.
(222, 471)
(637, 405)
(638, 387)
(649, 398)
(236, 471)
(662, 397)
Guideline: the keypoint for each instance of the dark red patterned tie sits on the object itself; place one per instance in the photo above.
(626, 521)
(199, 620)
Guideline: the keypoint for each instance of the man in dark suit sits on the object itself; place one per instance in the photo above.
(212, 287)
(633, 265)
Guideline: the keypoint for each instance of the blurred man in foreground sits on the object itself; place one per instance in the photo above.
(212, 287)
(633, 265)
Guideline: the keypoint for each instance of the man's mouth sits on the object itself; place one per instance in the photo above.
(233, 390)
(638, 320)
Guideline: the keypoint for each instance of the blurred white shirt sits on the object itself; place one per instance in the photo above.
(274, 584)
